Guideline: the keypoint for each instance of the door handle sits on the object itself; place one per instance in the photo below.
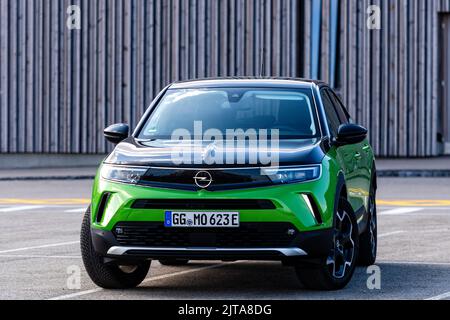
(366, 148)
(358, 156)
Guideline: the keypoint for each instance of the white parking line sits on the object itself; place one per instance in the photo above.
(399, 211)
(37, 256)
(390, 233)
(40, 247)
(20, 208)
(440, 297)
(77, 210)
(446, 264)
(76, 294)
(164, 276)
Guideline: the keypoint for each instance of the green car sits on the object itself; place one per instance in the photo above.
(235, 169)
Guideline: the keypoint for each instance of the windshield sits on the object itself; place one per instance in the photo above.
(289, 111)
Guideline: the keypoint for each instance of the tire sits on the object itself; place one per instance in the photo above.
(108, 276)
(174, 262)
(368, 239)
(324, 275)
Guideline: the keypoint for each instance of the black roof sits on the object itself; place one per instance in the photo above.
(259, 82)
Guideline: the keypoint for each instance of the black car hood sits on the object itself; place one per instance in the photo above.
(161, 153)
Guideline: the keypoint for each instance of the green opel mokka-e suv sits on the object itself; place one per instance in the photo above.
(235, 169)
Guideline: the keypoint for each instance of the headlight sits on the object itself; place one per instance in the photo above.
(292, 174)
(122, 174)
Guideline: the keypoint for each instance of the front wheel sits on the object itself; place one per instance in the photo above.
(336, 270)
(108, 276)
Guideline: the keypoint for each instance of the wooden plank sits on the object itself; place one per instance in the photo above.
(376, 102)
(385, 81)
(150, 56)
(421, 78)
(64, 66)
(249, 57)
(82, 122)
(101, 73)
(365, 68)
(110, 103)
(434, 118)
(4, 75)
(403, 70)
(201, 40)
(359, 93)
(239, 34)
(224, 39)
(208, 34)
(193, 56)
(21, 76)
(411, 76)
(184, 40)
(158, 48)
(343, 57)
(307, 39)
(13, 78)
(127, 82)
(324, 62)
(295, 21)
(175, 41)
(431, 124)
(414, 80)
(284, 39)
(276, 38)
(30, 24)
(393, 81)
(46, 66)
(38, 79)
(352, 58)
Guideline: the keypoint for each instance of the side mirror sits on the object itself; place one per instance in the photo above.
(116, 132)
(350, 133)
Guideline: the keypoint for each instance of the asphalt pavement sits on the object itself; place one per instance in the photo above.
(40, 255)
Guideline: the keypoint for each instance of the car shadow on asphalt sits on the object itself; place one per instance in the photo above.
(269, 280)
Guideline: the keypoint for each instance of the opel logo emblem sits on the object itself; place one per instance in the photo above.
(203, 179)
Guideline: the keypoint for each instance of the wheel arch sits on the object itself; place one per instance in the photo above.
(341, 187)
(342, 191)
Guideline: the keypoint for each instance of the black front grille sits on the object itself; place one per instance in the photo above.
(224, 179)
(248, 235)
(210, 204)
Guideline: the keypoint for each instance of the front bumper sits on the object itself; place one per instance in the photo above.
(288, 203)
(312, 244)
(312, 238)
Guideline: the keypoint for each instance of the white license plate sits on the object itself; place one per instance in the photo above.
(201, 219)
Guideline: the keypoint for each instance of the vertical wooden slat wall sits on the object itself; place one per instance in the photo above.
(389, 78)
(59, 88)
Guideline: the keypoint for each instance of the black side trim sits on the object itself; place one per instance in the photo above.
(101, 208)
(214, 204)
(315, 209)
(363, 217)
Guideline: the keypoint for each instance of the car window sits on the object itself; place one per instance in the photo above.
(332, 117)
(342, 112)
(289, 111)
